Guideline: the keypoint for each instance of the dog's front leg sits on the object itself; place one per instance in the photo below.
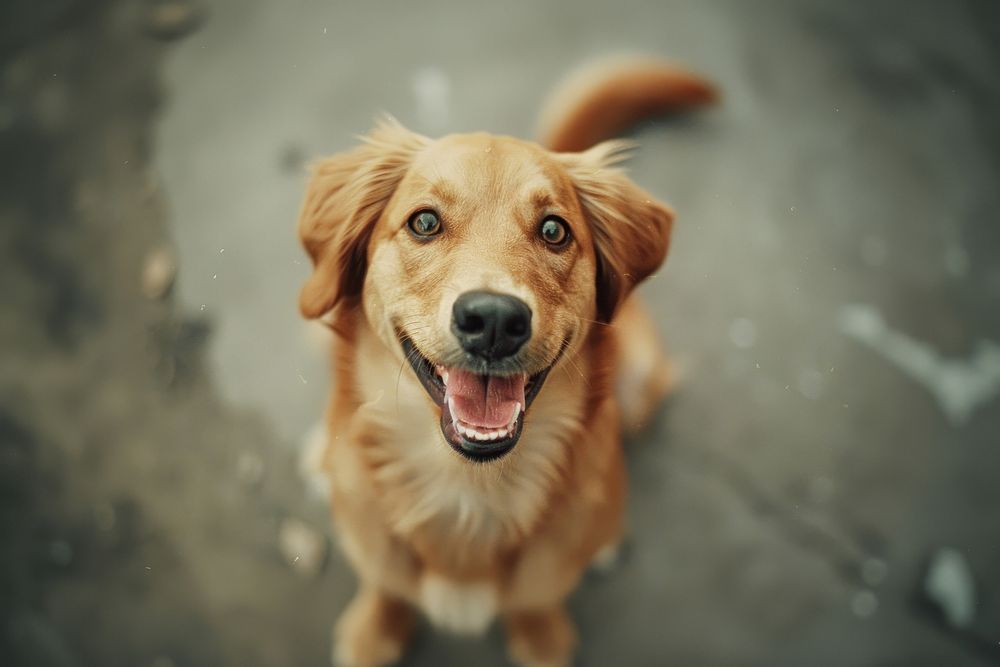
(541, 637)
(373, 630)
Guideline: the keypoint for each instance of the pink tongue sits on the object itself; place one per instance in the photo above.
(484, 400)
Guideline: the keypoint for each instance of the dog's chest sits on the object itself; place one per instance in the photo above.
(423, 486)
(427, 489)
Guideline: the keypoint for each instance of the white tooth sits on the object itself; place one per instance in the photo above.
(444, 377)
(451, 408)
(513, 420)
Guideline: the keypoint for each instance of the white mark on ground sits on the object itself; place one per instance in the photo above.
(959, 385)
(949, 584)
(432, 91)
(302, 547)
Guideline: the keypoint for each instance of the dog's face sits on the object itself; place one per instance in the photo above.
(482, 260)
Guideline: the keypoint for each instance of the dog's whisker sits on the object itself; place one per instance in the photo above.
(577, 368)
(399, 376)
(611, 325)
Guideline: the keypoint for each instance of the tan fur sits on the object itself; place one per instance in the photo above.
(602, 100)
(423, 527)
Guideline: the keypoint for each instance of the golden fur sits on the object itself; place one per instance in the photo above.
(424, 528)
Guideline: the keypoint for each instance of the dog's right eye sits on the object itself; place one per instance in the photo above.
(424, 224)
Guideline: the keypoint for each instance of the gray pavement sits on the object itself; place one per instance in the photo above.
(832, 300)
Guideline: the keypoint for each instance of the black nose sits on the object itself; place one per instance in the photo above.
(491, 326)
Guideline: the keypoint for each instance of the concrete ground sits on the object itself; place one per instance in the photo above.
(832, 299)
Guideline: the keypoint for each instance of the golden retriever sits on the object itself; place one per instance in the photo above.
(478, 288)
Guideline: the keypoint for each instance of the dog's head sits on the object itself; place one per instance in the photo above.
(482, 260)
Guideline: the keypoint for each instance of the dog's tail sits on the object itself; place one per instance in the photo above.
(609, 97)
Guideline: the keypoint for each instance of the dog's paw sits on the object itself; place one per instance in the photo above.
(372, 632)
(541, 638)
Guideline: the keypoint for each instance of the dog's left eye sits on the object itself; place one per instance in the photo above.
(554, 231)
(425, 223)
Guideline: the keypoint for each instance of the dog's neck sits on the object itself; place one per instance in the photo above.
(436, 491)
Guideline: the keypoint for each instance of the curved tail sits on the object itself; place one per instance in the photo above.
(605, 99)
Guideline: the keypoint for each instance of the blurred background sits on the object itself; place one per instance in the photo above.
(822, 488)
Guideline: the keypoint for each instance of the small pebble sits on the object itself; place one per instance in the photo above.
(949, 586)
(171, 19)
(303, 548)
(158, 273)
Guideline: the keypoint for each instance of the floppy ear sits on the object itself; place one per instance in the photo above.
(631, 229)
(345, 197)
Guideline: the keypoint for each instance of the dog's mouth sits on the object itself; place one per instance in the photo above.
(482, 415)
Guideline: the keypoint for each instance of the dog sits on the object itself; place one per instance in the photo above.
(487, 354)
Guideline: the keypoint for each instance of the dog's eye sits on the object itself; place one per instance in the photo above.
(425, 223)
(554, 231)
